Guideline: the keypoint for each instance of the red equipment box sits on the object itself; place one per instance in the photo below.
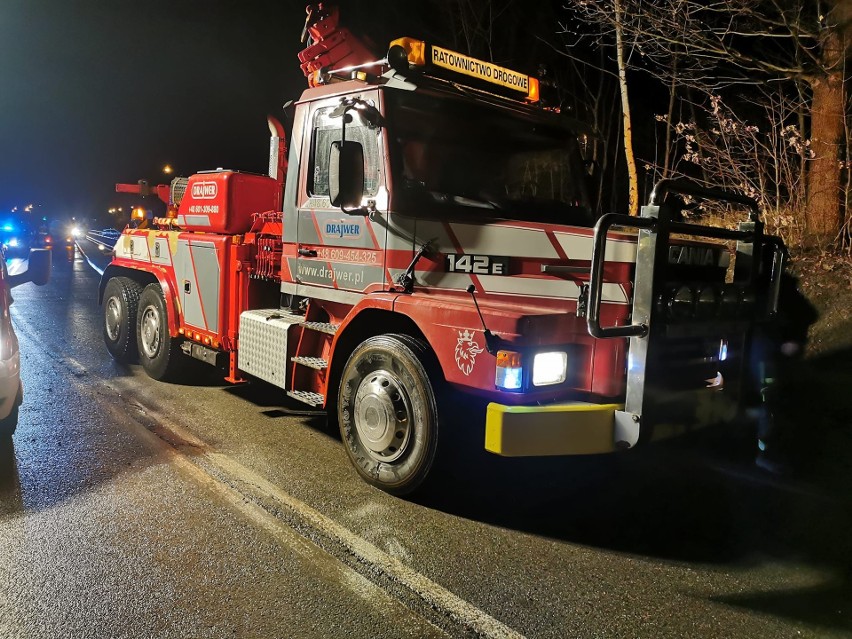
(223, 201)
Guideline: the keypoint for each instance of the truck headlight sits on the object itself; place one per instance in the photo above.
(549, 368)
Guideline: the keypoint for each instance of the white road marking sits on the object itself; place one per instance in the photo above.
(431, 592)
(231, 474)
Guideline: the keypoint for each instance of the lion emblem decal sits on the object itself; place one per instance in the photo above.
(466, 352)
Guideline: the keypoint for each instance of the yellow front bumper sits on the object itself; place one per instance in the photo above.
(576, 428)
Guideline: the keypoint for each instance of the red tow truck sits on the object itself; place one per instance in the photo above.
(427, 235)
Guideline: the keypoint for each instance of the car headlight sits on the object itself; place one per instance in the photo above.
(13, 242)
(549, 368)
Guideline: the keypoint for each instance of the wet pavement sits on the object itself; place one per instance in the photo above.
(135, 508)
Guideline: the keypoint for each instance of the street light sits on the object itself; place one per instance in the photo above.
(168, 170)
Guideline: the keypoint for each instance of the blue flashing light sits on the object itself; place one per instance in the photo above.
(509, 378)
(8, 227)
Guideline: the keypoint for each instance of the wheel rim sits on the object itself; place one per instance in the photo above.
(383, 416)
(113, 318)
(150, 331)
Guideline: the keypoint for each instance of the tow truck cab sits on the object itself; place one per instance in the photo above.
(495, 191)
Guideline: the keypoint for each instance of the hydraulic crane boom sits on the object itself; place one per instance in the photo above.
(328, 44)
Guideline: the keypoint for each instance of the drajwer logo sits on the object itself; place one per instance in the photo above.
(205, 190)
(466, 352)
(342, 229)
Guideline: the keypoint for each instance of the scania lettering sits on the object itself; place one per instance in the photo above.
(427, 236)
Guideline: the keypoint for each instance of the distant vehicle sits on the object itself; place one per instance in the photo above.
(14, 241)
(11, 389)
(42, 240)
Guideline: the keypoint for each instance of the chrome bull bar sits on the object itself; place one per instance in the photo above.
(657, 222)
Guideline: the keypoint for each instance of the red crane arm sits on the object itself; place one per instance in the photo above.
(328, 44)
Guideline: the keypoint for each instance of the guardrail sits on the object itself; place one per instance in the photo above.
(105, 238)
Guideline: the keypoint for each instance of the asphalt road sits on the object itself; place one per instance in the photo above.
(133, 508)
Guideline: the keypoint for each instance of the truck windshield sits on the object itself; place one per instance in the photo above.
(474, 156)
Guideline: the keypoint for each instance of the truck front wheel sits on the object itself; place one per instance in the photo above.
(121, 298)
(388, 414)
(159, 354)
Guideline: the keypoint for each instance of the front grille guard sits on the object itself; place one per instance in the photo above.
(658, 221)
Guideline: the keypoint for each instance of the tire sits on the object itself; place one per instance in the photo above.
(121, 299)
(159, 353)
(388, 414)
(9, 424)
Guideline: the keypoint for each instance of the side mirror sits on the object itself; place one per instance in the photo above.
(38, 269)
(346, 175)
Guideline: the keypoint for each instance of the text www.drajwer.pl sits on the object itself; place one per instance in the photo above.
(330, 274)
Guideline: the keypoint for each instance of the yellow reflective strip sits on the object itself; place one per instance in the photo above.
(493, 430)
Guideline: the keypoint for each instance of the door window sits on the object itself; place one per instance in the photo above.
(326, 130)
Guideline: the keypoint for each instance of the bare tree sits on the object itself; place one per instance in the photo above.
(621, 61)
(720, 45)
(762, 161)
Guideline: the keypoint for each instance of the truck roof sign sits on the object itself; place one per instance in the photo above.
(418, 53)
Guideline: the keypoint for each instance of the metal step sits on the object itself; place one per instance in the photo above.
(311, 362)
(322, 327)
(285, 314)
(311, 398)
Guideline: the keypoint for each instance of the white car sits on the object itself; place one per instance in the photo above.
(11, 389)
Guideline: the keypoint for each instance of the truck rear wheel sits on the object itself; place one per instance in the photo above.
(159, 354)
(121, 299)
(388, 414)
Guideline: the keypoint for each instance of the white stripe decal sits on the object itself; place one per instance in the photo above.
(579, 247)
(523, 286)
(492, 239)
(536, 287)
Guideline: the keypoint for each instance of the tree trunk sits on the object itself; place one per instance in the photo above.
(822, 208)
(667, 158)
(633, 178)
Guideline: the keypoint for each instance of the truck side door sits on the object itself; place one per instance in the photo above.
(337, 250)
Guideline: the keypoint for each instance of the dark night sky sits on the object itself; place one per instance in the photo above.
(93, 93)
